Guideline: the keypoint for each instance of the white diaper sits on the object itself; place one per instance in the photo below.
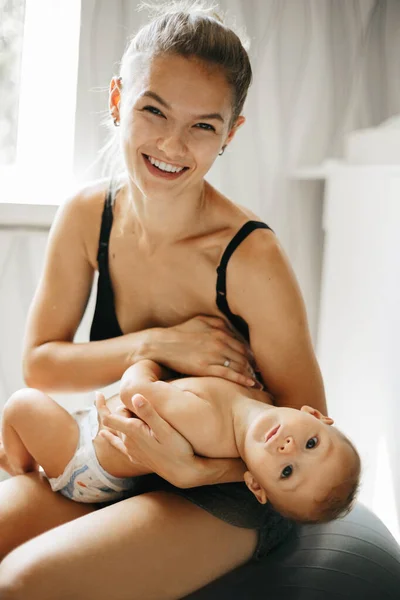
(84, 479)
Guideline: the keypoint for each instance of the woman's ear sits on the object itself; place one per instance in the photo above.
(239, 122)
(317, 414)
(255, 488)
(114, 97)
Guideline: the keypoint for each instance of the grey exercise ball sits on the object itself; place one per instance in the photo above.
(355, 558)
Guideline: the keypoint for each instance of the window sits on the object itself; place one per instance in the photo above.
(44, 36)
(11, 34)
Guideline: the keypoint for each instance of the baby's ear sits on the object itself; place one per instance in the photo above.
(255, 488)
(317, 414)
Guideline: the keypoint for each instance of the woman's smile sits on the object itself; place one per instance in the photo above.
(162, 169)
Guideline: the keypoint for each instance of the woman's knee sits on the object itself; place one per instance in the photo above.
(16, 574)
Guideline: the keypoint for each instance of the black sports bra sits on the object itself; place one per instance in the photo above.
(105, 323)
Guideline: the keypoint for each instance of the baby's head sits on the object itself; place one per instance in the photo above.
(308, 470)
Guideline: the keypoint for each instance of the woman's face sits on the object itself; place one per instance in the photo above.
(175, 111)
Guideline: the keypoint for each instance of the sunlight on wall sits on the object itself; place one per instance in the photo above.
(383, 501)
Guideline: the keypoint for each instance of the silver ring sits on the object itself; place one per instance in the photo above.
(227, 363)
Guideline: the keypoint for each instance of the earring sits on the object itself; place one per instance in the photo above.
(116, 122)
(222, 151)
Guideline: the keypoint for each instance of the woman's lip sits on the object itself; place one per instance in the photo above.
(271, 433)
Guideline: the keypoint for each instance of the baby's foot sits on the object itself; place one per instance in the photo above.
(4, 464)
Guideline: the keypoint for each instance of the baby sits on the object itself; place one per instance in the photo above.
(308, 470)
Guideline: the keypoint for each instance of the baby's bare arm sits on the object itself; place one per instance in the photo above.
(140, 379)
(37, 431)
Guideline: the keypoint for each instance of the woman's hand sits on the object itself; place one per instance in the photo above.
(148, 441)
(104, 411)
(206, 346)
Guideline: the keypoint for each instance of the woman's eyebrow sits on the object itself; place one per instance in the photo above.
(150, 94)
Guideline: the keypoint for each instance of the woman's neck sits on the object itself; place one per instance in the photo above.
(159, 222)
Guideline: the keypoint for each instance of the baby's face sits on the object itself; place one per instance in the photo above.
(294, 457)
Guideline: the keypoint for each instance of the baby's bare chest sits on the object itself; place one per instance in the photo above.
(203, 415)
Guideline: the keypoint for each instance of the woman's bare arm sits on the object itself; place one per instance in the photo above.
(52, 362)
(263, 290)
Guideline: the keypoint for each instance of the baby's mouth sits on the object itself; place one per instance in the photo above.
(271, 433)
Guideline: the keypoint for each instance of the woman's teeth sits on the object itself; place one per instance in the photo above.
(164, 166)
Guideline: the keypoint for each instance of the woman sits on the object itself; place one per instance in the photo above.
(157, 241)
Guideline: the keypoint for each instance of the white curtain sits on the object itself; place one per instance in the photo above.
(321, 69)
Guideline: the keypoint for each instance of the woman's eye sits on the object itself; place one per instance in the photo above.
(205, 126)
(312, 442)
(287, 471)
(153, 110)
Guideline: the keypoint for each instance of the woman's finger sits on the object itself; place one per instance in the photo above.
(231, 375)
(230, 358)
(121, 423)
(158, 427)
(102, 410)
(101, 405)
(246, 372)
(115, 442)
(152, 443)
(226, 357)
(233, 343)
(216, 323)
(147, 419)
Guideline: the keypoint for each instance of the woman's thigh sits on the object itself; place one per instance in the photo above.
(29, 507)
(155, 546)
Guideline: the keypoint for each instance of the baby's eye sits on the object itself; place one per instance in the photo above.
(312, 442)
(205, 126)
(287, 471)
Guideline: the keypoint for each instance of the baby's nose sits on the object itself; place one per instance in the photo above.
(287, 445)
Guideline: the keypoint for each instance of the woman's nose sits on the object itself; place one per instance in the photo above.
(287, 445)
(173, 145)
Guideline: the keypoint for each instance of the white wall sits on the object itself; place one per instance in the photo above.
(359, 333)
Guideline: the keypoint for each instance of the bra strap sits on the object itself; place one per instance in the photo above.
(230, 249)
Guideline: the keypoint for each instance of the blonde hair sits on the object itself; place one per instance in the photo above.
(191, 29)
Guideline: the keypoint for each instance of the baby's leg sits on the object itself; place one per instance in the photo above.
(4, 463)
(38, 431)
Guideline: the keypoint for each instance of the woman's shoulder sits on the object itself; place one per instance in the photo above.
(258, 251)
(80, 215)
(234, 213)
(83, 208)
(87, 199)
(254, 245)
(257, 261)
